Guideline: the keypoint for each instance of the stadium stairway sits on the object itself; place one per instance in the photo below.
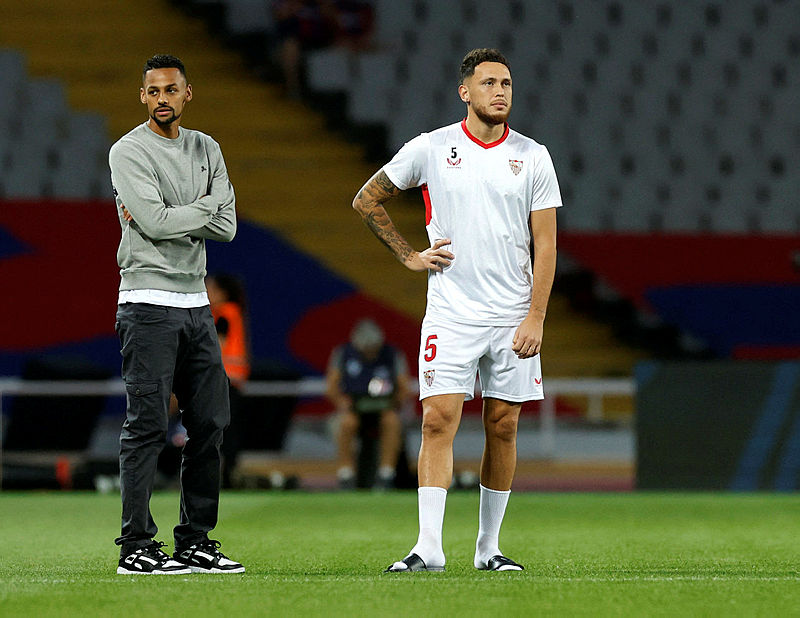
(290, 173)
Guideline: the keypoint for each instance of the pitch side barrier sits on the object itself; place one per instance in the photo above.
(594, 389)
(718, 425)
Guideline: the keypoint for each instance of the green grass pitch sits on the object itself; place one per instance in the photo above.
(321, 554)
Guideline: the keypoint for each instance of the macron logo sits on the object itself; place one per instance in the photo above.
(537, 380)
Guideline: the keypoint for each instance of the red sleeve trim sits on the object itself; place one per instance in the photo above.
(427, 198)
(479, 142)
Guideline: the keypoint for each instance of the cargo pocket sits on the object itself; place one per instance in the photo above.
(144, 409)
(140, 390)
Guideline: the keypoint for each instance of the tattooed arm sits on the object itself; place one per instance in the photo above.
(369, 204)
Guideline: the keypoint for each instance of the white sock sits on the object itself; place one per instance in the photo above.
(386, 473)
(492, 510)
(431, 516)
(345, 473)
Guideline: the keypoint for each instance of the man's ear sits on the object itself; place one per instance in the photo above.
(463, 93)
(142, 96)
(188, 92)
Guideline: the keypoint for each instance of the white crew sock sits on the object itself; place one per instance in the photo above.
(386, 473)
(345, 473)
(431, 516)
(492, 510)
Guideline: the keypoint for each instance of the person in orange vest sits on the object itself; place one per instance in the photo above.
(228, 306)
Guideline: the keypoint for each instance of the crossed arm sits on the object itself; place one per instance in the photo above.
(212, 216)
(369, 203)
(221, 227)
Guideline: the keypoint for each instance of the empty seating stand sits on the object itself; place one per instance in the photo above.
(660, 115)
(47, 149)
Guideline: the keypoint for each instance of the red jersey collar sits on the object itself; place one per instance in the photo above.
(479, 142)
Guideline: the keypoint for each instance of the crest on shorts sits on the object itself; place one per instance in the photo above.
(516, 166)
(428, 375)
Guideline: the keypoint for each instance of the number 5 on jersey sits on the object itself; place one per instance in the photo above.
(430, 348)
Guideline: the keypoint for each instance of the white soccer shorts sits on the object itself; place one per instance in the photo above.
(450, 354)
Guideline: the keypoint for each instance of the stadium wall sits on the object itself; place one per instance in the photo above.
(718, 425)
(737, 293)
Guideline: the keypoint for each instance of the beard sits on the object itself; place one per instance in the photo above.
(165, 121)
(490, 116)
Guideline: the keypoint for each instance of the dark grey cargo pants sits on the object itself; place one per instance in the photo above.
(165, 350)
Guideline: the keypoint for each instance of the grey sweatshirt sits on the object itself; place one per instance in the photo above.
(178, 192)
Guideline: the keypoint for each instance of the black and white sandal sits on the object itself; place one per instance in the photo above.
(412, 563)
(501, 563)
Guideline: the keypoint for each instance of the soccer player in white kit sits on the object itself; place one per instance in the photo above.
(488, 192)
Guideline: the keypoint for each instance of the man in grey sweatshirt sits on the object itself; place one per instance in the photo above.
(172, 192)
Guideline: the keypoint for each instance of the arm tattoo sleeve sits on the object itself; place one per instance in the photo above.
(369, 204)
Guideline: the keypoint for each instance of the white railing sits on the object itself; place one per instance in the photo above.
(594, 389)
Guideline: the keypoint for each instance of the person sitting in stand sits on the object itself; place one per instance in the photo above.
(367, 380)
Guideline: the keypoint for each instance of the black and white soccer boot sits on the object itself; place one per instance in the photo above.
(150, 560)
(501, 563)
(205, 557)
(412, 564)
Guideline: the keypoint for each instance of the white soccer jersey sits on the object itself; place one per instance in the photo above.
(480, 196)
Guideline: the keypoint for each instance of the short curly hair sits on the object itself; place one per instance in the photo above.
(476, 56)
(163, 61)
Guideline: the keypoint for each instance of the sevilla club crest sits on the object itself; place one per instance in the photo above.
(516, 166)
(428, 375)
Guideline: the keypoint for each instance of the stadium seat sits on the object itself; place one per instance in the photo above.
(44, 109)
(23, 181)
(248, 16)
(50, 150)
(370, 94)
(12, 76)
(73, 176)
(329, 69)
(392, 18)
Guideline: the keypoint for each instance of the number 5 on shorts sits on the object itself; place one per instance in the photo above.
(430, 348)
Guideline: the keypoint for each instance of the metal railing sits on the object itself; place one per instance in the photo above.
(595, 389)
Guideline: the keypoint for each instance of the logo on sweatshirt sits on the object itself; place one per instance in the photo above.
(515, 165)
(202, 168)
